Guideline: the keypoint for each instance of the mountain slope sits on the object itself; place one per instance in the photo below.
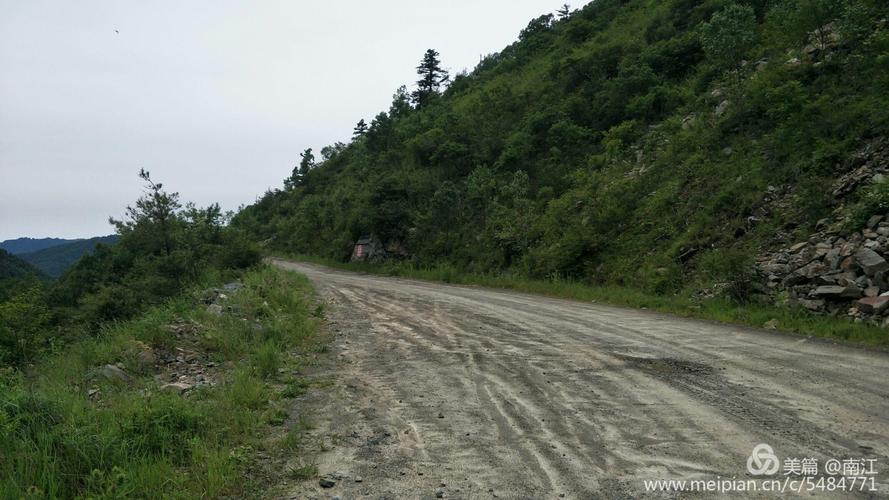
(12, 267)
(27, 245)
(656, 144)
(53, 261)
(15, 275)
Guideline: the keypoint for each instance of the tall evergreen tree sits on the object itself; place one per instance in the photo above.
(432, 77)
(306, 163)
(360, 129)
(155, 212)
(401, 103)
(564, 11)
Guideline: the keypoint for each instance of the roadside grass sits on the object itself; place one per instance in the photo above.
(68, 432)
(787, 319)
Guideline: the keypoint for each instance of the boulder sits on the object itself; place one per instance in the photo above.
(832, 259)
(775, 268)
(862, 282)
(873, 305)
(812, 305)
(146, 358)
(814, 270)
(871, 262)
(849, 264)
(795, 278)
(837, 292)
(881, 279)
(827, 279)
(178, 387)
(113, 372)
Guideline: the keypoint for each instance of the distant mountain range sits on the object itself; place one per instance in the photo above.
(28, 245)
(52, 256)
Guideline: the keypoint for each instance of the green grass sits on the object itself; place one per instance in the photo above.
(135, 440)
(304, 472)
(788, 319)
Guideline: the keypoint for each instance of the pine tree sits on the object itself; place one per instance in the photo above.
(432, 77)
(564, 11)
(401, 103)
(155, 213)
(360, 129)
(306, 163)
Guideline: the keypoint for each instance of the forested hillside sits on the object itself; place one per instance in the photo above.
(54, 260)
(14, 267)
(656, 144)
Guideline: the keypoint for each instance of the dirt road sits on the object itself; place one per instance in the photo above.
(471, 393)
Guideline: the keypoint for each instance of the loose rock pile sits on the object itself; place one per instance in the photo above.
(186, 366)
(183, 366)
(833, 274)
(867, 166)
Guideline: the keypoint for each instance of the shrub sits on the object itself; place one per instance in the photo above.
(731, 268)
(24, 321)
(874, 200)
(729, 35)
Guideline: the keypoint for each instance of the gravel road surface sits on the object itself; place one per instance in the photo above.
(465, 392)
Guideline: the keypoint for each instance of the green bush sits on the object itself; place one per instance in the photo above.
(874, 200)
(163, 248)
(25, 328)
(729, 34)
(732, 268)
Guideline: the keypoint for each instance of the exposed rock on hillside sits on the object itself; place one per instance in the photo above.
(869, 164)
(834, 274)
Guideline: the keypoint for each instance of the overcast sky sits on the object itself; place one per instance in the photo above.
(215, 98)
